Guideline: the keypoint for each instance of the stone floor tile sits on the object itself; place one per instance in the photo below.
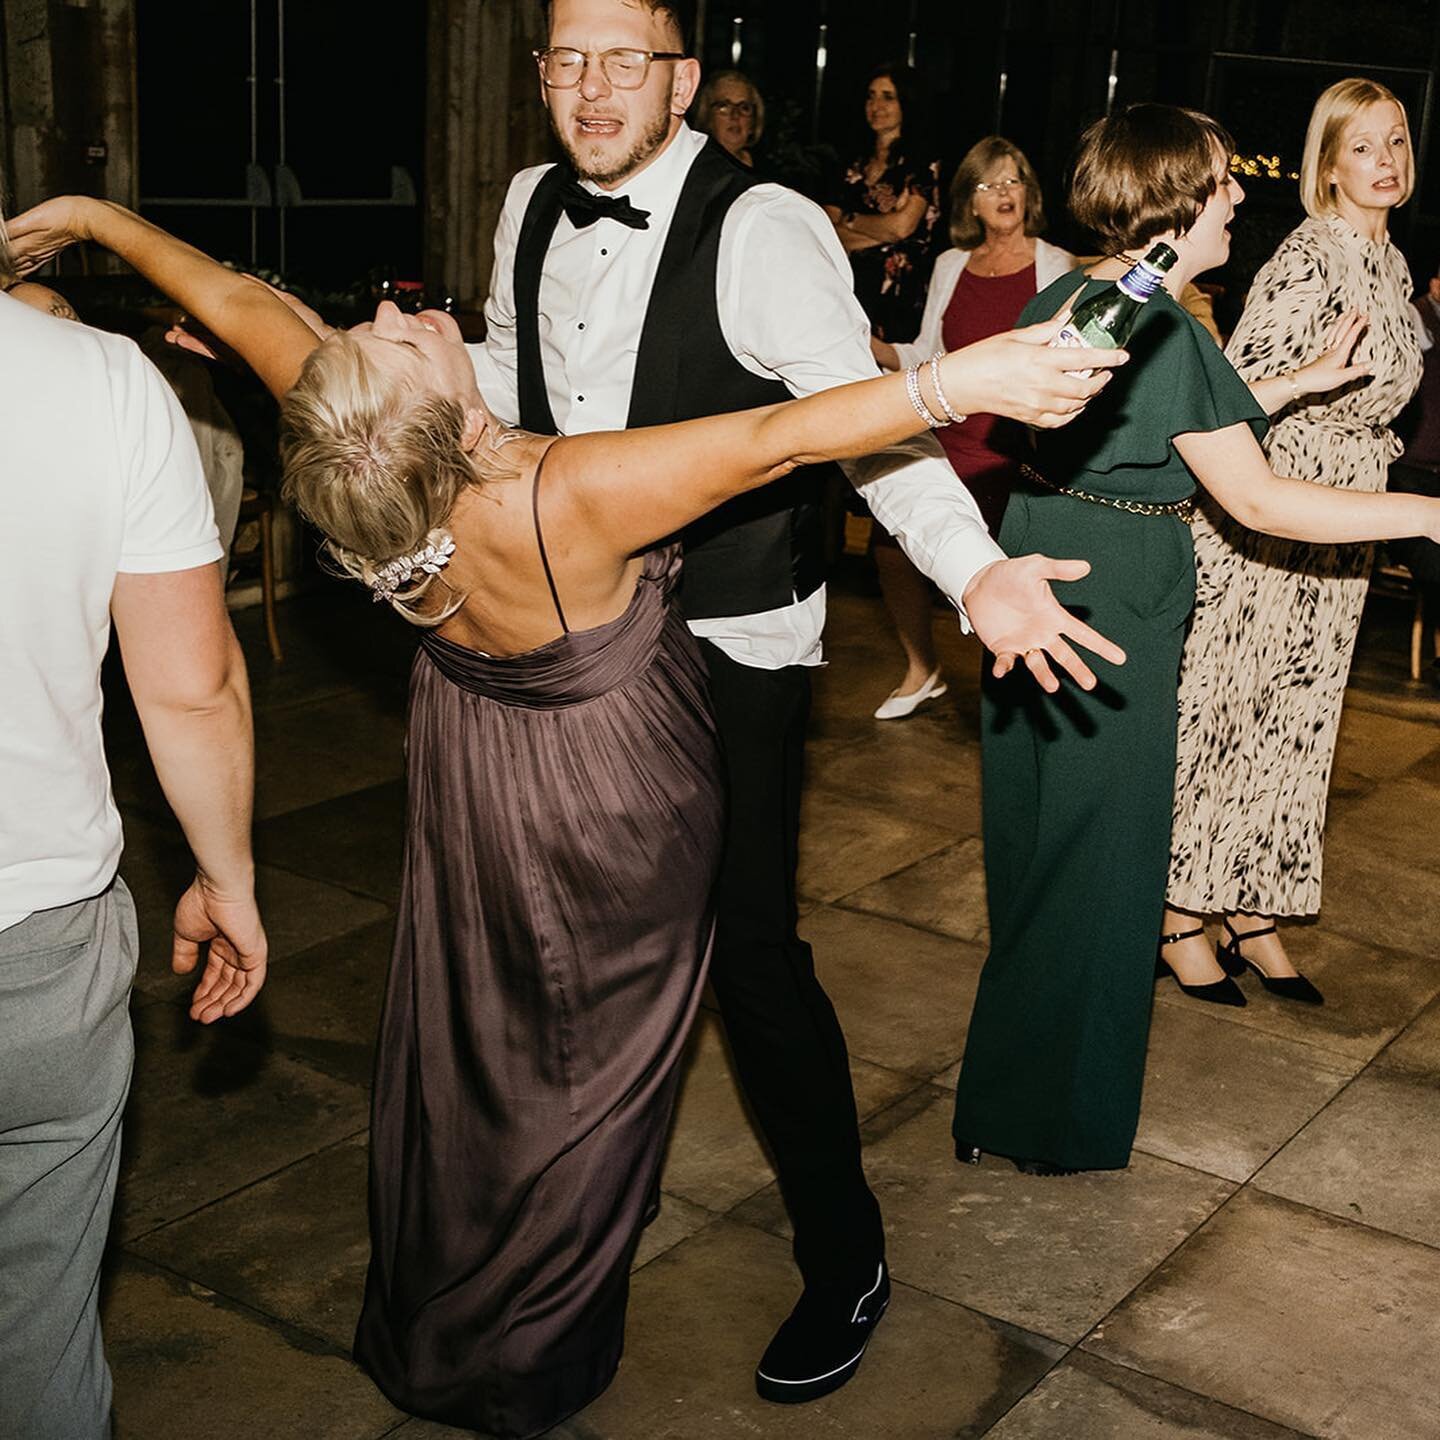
(1222, 1098)
(1307, 1320)
(903, 995)
(1380, 900)
(945, 892)
(1052, 1255)
(294, 1246)
(297, 912)
(845, 844)
(1370, 994)
(1416, 1050)
(678, 1220)
(1427, 771)
(354, 841)
(933, 1369)
(1392, 821)
(1085, 1399)
(211, 1111)
(323, 1006)
(186, 1365)
(716, 1157)
(1372, 1155)
(314, 752)
(921, 771)
(1380, 747)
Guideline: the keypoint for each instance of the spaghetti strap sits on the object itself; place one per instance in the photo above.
(540, 538)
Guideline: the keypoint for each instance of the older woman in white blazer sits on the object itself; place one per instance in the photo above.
(979, 288)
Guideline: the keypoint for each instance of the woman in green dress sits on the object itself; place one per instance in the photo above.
(1078, 786)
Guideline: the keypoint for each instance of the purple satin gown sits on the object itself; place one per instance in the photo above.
(564, 830)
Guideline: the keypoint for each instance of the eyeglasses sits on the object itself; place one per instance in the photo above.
(563, 69)
(1003, 186)
(743, 108)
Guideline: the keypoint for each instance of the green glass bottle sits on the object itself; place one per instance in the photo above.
(1106, 319)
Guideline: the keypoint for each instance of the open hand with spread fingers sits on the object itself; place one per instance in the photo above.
(1017, 617)
(1337, 366)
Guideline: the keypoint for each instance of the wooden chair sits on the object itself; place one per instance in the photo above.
(257, 507)
(1396, 581)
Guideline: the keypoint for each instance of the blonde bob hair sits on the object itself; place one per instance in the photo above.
(377, 464)
(981, 158)
(1333, 111)
(705, 102)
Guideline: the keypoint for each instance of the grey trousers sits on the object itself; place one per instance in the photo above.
(65, 1059)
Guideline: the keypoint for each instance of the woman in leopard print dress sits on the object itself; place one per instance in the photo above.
(1267, 659)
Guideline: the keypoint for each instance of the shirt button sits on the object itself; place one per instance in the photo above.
(581, 325)
(604, 252)
(580, 398)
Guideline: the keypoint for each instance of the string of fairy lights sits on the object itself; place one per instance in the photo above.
(1261, 167)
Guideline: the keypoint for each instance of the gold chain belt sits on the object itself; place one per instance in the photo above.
(1182, 508)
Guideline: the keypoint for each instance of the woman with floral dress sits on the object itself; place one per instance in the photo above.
(887, 207)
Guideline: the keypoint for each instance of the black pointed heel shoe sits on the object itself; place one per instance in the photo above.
(1287, 987)
(1218, 992)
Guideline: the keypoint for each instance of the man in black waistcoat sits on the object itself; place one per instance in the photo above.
(697, 291)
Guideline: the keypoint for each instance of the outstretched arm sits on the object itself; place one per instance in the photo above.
(630, 489)
(248, 316)
(641, 485)
(1232, 467)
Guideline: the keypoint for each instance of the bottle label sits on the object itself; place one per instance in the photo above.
(1141, 282)
(1070, 338)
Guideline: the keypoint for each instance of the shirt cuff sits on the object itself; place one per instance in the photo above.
(957, 562)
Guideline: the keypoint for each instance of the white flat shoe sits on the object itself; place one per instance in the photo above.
(898, 706)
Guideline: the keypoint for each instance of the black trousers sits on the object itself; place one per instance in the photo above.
(788, 1047)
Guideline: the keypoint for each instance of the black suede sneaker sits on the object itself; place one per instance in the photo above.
(821, 1344)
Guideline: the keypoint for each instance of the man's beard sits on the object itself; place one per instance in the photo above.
(597, 167)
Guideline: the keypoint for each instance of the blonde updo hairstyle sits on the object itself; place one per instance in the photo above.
(1333, 111)
(377, 465)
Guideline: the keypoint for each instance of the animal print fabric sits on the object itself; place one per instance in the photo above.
(1269, 650)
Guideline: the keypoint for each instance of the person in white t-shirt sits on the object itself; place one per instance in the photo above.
(104, 515)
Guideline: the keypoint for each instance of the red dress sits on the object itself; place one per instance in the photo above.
(985, 450)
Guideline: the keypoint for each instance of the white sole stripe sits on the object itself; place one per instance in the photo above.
(814, 1379)
(879, 1276)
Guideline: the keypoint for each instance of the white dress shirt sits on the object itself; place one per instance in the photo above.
(787, 312)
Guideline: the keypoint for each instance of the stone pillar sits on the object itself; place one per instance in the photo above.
(485, 122)
(67, 99)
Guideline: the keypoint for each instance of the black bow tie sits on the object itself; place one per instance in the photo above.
(584, 208)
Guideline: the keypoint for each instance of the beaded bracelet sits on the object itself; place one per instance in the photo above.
(917, 399)
(955, 417)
